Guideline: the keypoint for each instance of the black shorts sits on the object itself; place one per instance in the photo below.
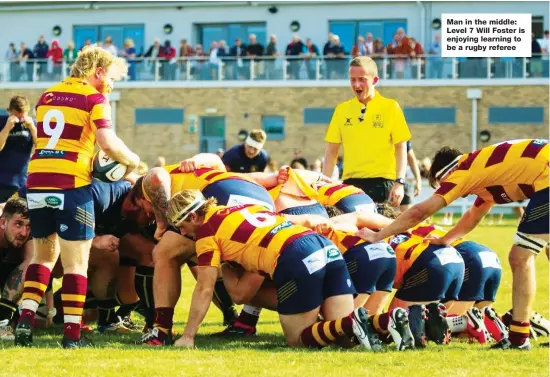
(406, 200)
(377, 188)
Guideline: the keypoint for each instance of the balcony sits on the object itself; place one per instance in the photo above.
(293, 69)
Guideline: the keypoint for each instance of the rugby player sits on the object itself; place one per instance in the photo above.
(502, 173)
(247, 157)
(308, 270)
(151, 193)
(16, 254)
(71, 117)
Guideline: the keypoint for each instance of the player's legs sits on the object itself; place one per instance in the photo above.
(377, 301)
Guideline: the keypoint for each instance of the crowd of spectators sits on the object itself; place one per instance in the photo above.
(403, 57)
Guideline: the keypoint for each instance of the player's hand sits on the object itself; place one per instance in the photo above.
(396, 194)
(107, 242)
(188, 166)
(11, 122)
(28, 122)
(417, 188)
(324, 178)
(185, 342)
(323, 229)
(367, 235)
(434, 240)
(134, 163)
(282, 176)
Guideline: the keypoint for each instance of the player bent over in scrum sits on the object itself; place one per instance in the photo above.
(308, 270)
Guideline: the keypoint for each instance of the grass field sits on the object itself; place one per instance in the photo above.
(266, 354)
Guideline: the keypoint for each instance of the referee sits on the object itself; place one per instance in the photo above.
(374, 134)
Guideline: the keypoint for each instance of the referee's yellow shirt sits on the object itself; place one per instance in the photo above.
(369, 145)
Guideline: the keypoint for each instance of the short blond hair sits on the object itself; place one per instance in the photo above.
(19, 104)
(181, 200)
(365, 62)
(258, 135)
(92, 57)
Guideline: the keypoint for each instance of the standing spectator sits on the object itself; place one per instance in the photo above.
(238, 51)
(378, 54)
(17, 139)
(41, 52)
(199, 65)
(359, 49)
(214, 60)
(70, 53)
(25, 59)
(328, 44)
(12, 57)
(335, 58)
(544, 46)
(186, 52)
(153, 55)
(168, 54)
(254, 50)
(311, 58)
(294, 50)
(249, 156)
(109, 46)
(129, 53)
(416, 58)
(55, 54)
(271, 54)
(536, 54)
(87, 42)
(298, 158)
(369, 43)
(435, 61)
(374, 133)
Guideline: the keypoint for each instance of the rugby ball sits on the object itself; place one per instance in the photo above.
(105, 169)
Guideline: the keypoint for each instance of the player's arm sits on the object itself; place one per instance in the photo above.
(411, 217)
(200, 301)
(331, 155)
(242, 287)
(471, 218)
(413, 163)
(363, 220)
(115, 148)
(10, 123)
(208, 160)
(157, 186)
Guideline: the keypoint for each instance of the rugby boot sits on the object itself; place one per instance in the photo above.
(505, 344)
(476, 326)
(494, 325)
(399, 329)
(6, 331)
(128, 323)
(364, 331)
(539, 324)
(23, 335)
(153, 338)
(437, 329)
(417, 322)
(237, 330)
(74, 344)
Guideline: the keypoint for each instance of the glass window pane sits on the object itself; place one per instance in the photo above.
(346, 32)
(376, 28)
(390, 27)
(212, 33)
(274, 126)
(81, 33)
(236, 31)
(260, 31)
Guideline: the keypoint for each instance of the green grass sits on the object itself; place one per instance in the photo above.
(266, 354)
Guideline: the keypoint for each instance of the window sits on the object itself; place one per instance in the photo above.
(118, 33)
(159, 116)
(537, 26)
(430, 115)
(516, 115)
(207, 33)
(274, 127)
(348, 31)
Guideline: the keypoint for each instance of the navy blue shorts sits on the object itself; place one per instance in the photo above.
(356, 202)
(371, 267)
(482, 272)
(535, 217)
(69, 213)
(308, 271)
(437, 274)
(312, 209)
(233, 192)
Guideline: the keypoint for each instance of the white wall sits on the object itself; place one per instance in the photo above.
(26, 26)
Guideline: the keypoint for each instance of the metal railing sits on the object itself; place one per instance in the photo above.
(392, 67)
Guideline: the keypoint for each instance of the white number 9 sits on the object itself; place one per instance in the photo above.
(259, 220)
(56, 132)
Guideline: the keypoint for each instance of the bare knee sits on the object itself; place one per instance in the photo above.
(520, 258)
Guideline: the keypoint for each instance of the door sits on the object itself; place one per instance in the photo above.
(115, 32)
(212, 134)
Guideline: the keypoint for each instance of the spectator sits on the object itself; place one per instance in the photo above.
(161, 161)
(199, 65)
(55, 54)
(109, 46)
(328, 45)
(239, 67)
(17, 139)
(369, 43)
(295, 164)
(272, 166)
(70, 53)
(435, 61)
(299, 158)
(186, 52)
(311, 58)
(335, 59)
(129, 53)
(25, 58)
(253, 50)
(154, 54)
(416, 52)
(536, 54)
(271, 54)
(380, 169)
(293, 50)
(214, 59)
(359, 49)
(544, 48)
(87, 42)
(12, 56)
(378, 54)
(249, 156)
(168, 54)
(41, 52)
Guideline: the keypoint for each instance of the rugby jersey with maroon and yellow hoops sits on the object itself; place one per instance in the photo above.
(68, 116)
